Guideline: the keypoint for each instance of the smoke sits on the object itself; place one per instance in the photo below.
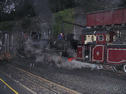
(34, 48)
(71, 53)
(62, 62)
(77, 64)
(40, 50)
(41, 8)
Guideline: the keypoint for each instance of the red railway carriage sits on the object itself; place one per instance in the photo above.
(107, 17)
(102, 47)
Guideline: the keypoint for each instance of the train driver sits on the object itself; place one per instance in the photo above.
(60, 37)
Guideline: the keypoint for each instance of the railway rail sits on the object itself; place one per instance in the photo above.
(36, 83)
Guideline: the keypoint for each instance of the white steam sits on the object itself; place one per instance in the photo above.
(78, 64)
(71, 53)
(40, 50)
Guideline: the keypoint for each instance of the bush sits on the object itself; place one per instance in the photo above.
(66, 15)
(25, 23)
(6, 25)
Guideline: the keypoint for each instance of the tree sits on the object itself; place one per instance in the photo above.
(58, 5)
(11, 10)
(123, 3)
(24, 9)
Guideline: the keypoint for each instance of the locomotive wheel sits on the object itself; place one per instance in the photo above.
(124, 68)
(117, 68)
(60, 45)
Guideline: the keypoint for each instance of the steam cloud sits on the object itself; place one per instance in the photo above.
(40, 50)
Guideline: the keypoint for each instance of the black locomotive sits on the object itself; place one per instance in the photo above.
(26, 44)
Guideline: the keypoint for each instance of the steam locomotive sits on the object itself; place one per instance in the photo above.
(103, 43)
(26, 44)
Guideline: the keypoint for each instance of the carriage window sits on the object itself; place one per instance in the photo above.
(107, 37)
(114, 37)
(100, 38)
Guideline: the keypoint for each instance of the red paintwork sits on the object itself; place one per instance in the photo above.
(108, 17)
(116, 55)
(99, 19)
(115, 16)
(111, 36)
(105, 52)
(98, 53)
(124, 19)
(91, 20)
(70, 59)
(80, 52)
(101, 42)
(82, 39)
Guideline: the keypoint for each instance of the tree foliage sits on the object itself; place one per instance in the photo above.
(59, 5)
(66, 15)
(123, 3)
(23, 8)
(25, 23)
(2, 0)
(6, 25)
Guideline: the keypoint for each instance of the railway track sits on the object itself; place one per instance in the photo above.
(37, 84)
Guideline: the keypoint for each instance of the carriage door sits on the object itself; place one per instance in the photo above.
(80, 52)
(98, 53)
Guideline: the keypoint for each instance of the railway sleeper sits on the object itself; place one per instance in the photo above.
(37, 83)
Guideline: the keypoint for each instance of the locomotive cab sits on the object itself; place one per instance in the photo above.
(84, 49)
(92, 40)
